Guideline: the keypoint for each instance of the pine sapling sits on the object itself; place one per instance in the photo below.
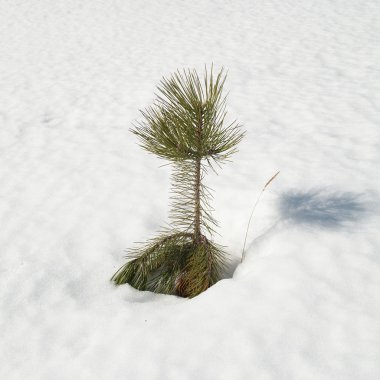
(185, 125)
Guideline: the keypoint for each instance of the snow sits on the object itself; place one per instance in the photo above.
(76, 190)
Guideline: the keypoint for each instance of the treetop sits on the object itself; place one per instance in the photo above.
(187, 120)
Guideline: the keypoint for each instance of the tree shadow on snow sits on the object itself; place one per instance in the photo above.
(324, 209)
(320, 209)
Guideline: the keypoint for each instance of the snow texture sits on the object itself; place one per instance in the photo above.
(76, 190)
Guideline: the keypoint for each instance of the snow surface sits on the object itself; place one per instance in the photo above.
(76, 190)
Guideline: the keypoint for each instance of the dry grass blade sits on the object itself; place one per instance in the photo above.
(270, 180)
(253, 210)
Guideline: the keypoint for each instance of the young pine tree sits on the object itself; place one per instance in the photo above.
(186, 126)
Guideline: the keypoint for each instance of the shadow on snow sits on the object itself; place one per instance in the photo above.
(325, 210)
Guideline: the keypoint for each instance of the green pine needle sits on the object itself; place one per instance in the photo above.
(173, 264)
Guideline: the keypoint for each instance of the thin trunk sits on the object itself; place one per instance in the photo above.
(197, 211)
(197, 227)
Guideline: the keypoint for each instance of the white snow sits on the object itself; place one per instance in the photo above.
(76, 190)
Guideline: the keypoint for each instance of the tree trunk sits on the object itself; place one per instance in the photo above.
(197, 211)
(197, 224)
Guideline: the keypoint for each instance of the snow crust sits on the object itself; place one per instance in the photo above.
(76, 190)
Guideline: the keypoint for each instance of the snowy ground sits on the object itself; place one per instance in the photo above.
(76, 190)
